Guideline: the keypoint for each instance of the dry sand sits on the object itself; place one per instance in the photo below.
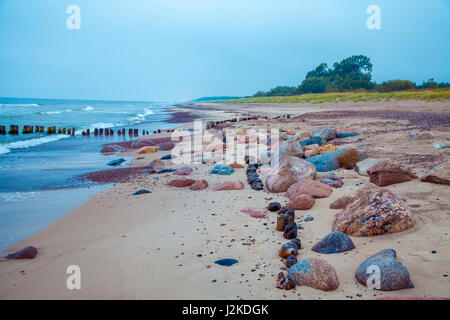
(147, 246)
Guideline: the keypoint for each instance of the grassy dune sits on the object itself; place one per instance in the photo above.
(438, 94)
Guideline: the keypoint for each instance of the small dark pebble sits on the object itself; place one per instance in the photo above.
(226, 262)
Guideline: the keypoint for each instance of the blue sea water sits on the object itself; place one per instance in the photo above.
(39, 173)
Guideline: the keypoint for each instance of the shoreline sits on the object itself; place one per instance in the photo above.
(146, 246)
(75, 187)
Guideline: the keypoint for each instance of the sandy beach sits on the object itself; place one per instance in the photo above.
(163, 245)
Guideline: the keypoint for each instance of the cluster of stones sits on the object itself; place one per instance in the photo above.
(253, 177)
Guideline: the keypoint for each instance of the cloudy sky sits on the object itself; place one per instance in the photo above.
(175, 50)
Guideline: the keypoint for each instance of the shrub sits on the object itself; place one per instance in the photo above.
(349, 158)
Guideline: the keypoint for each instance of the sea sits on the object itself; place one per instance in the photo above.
(40, 173)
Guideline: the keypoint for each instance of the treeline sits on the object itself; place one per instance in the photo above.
(353, 73)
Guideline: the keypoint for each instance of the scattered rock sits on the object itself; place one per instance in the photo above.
(222, 169)
(315, 273)
(291, 260)
(274, 206)
(326, 133)
(142, 143)
(230, 185)
(167, 146)
(393, 274)
(363, 166)
(386, 173)
(26, 253)
(142, 191)
(327, 148)
(168, 157)
(290, 232)
(199, 185)
(288, 211)
(284, 282)
(255, 213)
(311, 150)
(373, 211)
(335, 242)
(183, 171)
(111, 149)
(314, 188)
(116, 162)
(166, 170)
(288, 249)
(157, 165)
(346, 135)
(296, 242)
(181, 183)
(226, 262)
(421, 136)
(340, 203)
(439, 174)
(441, 145)
(283, 220)
(287, 172)
(326, 162)
(289, 148)
(301, 202)
(308, 219)
(332, 180)
(314, 140)
(215, 147)
(149, 149)
(236, 166)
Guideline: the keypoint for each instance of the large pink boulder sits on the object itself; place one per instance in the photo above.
(287, 172)
(373, 211)
(315, 189)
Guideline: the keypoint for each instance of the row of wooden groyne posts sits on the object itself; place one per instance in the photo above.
(14, 129)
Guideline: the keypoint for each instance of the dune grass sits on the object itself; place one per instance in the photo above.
(438, 94)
